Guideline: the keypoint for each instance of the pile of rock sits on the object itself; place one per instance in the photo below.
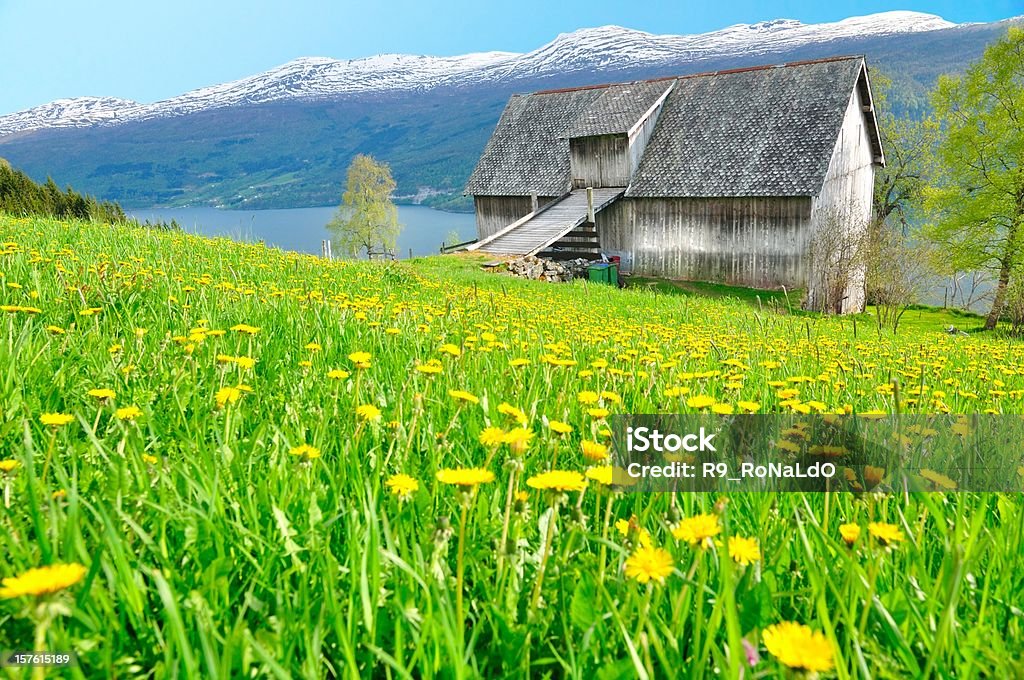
(541, 269)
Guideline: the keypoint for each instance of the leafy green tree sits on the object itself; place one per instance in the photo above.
(977, 203)
(908, 144)
(367, 220)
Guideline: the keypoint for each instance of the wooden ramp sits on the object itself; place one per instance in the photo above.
(539, 230)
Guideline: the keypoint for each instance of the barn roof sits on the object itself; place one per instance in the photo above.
(529, 150)
(617, 108)
(762, 131)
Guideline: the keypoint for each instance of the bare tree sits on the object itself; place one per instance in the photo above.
(969, 289)
(837, 261)
(898, 272)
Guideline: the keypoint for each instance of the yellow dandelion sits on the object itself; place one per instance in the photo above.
(360, 359)
(558, 480)
(701, 401)
(245, 329)
(430, 368)
(884, 533)
(512, 412)
(698, 530)
(629, 528)
(518, 439)
(8, 465)
(368, 412)
(468, 477)
(850, 532)
(402, 486)
(594, 451)
(873, 476)
(128, 413)
(744, 550)
(462, 395)
(787, 445)
(306, 451)
(558, 427)
(601, 474)
(42, 580)
(56, 420)
(227, 395)
(938, 479)
(797, 646)
(649, 564)
(492, 436)
(587, 397)
(102, 394)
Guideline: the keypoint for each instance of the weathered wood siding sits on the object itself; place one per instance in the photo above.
(599, 161)
(494, 213)
(847, 191)
(757, 242)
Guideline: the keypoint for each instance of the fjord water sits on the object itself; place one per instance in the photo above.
(302, 229)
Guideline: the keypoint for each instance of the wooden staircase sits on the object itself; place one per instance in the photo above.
(561, 226)
(580, 242)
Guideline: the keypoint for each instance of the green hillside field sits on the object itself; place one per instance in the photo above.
(254, 463)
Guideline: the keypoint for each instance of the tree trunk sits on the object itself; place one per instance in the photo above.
(1007, 264)
(1000, 298)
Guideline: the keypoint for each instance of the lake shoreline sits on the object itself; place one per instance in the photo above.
(304, 229)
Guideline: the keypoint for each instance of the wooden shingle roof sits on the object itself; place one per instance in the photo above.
(763, 131)
(529, 150)
(618, 108)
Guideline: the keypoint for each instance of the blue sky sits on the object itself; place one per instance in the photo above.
(148, 50)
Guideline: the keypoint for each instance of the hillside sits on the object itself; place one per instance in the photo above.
(260, 463)
(285, 137)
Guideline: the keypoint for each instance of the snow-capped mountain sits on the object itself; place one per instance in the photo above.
(607, 48)
(74, 112)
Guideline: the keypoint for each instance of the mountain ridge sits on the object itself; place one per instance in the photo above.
(608, 46)
(284, 138)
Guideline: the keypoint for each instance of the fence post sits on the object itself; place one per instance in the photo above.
(590, 205)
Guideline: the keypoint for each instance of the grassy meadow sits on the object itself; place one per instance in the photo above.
(270, 465)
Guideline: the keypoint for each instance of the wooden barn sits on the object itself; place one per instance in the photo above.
(723, 177)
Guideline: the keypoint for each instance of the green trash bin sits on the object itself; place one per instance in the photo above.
(604, 272)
